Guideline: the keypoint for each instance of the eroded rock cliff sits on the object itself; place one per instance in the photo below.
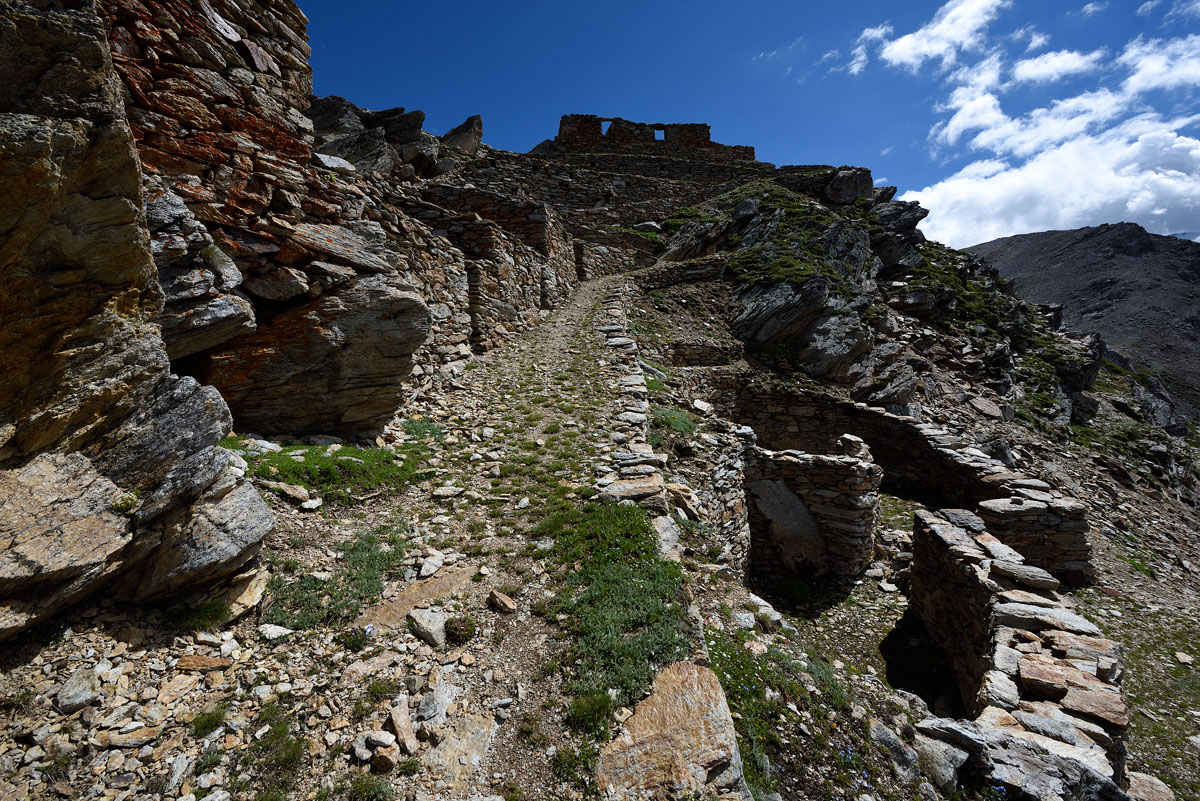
(109, 463)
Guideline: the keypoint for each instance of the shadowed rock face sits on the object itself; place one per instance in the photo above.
(349, 352)
(107, 460)
(1140, 291)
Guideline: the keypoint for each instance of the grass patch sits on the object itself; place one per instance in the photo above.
(365, 787)
(626, 609)
(366, 562)
(208, 721)
(758, 689)
(667, 423)
(277, 755)
(208, 616)
(460, 629)
(340, 475)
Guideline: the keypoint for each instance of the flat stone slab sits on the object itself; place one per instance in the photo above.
(1036, 618)
(392, 614)
(680, 741)
(458, 756)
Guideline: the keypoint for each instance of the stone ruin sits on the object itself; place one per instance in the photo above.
(587, 133)
(936, 466)
(812, 513)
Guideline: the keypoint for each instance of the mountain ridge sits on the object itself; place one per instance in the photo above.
(1139, 290)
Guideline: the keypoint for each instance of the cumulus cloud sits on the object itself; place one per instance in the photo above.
(1106, 154)
(1056, 65)
(1143, 170)
(1158, 64)
(958, 26)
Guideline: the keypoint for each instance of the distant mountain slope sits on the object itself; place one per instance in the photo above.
(1140, 291)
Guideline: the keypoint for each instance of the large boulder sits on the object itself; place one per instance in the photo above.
(334, 365)
(680, 742)
(98, 441)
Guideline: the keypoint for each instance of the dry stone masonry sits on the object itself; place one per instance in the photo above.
(812, 514)
(1039, 684)
(935, 464)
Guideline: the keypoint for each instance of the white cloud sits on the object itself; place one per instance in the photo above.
(1184, 8)
(1156, 64)
(1054, 66)
(1143, 170)
(1107, 154)
(957, 26)
(1034, 39)
(858, 56)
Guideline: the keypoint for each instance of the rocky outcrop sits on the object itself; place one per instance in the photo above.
(346, 353)
(108, 462)
(269, 283)
(680, 741)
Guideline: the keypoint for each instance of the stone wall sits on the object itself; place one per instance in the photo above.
(810, 514)
(584, 133)
(1030, 671)
(277, 288)
(109, 469)
(933, 465)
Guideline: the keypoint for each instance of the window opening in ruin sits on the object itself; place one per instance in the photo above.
(604, 126)
(660, 135)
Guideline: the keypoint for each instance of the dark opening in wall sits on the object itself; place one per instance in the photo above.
(916, 664)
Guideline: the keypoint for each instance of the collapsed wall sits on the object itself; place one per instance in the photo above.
(1039, 684)
(108, 462)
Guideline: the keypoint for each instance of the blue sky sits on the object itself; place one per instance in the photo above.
(1000, 116)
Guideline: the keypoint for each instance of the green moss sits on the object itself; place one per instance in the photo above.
(366, 561)
(339, 475)
(685, 216)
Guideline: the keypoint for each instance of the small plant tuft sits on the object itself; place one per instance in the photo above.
(460, 630)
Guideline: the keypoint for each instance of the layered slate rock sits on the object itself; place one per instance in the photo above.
(680, 740)
(334, 365)
(108, 462)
